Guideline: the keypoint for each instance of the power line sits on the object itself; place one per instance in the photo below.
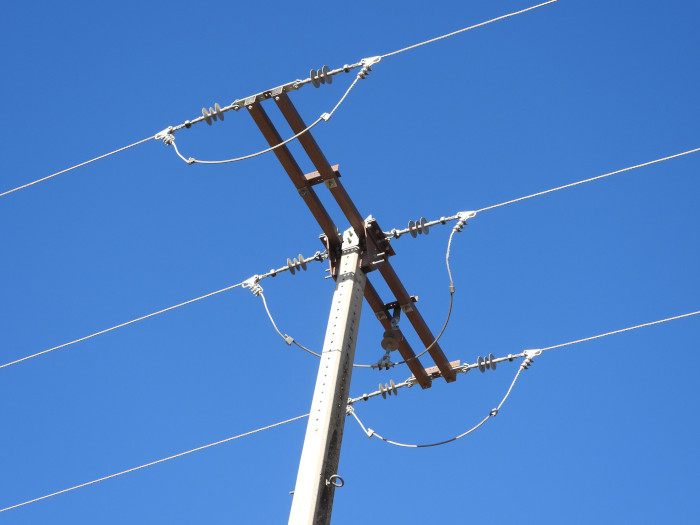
(76, 166)
(248, 283)
(463, 217)
(169, 139)
(620, 331)
(154, 463)
(490, 362)
(493, 413)
(257, 290)
(589, 180)
(122, 325)
(467, 29)
(419, 228)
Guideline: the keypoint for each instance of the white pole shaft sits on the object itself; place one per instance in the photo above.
(313, 496)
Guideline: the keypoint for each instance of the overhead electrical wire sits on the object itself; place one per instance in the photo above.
(630, 168)
(395, 233)
(76, 166)
(192, 160)
(121, 325)
(529, 356)
(248, 283)
(606, 334)
(467, 29)
(154, 463)
(288, 338)
(463, 217)
(370, 433)
(168, 137)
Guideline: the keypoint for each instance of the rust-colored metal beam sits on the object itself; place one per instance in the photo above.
(377, 249)
(314, 177)
(295, 173)
(319, 160)
(377, 306)
(426, 336)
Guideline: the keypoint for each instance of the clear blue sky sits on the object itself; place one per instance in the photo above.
(600, 432)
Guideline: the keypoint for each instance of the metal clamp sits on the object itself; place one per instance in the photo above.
(166, 136)
(252, 284)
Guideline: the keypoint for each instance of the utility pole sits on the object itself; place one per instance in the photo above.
(363, 248)
(317, 476)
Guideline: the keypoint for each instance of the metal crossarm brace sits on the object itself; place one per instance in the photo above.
(296, 174)
(319, 160)
(414, 364)
(417, 321)
(375, 248)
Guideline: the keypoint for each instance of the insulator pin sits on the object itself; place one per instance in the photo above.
(418, 227)
(296, 264)
(320, 76)
(486, 363)
(388, 388)
(213, 113)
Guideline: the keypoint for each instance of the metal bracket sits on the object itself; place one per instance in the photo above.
(385, 363)
(395, 304)
(370, 61)
(332, 481)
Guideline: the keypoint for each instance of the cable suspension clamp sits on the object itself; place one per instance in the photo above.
(367, 64)
(463, 216)
(166, 136)
(385, 363)
(253, 285)
(529, 358)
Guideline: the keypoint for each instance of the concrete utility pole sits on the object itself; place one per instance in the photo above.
(317, 476)
(362, 249)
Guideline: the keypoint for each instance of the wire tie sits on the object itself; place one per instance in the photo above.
(288, 339)
(370, 433)
(494, 412)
